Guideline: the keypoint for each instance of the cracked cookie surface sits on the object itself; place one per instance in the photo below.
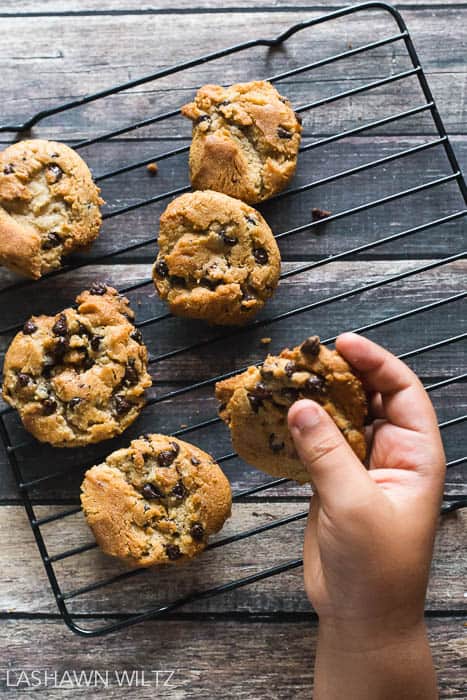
(49, 206)
(78, 377)
(255, 403)
(218, 259)
(155, 502)
(245, 140)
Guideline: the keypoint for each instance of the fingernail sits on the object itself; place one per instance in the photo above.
(307, 418)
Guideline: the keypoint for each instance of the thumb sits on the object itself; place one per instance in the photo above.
(338, 475)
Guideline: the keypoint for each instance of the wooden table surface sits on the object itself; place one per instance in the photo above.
(256, 642)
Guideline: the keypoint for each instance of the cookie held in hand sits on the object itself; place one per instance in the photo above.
(218, 260)
(49, 206)
(245, 140)
(255, 403)
(78, 377)
(155, 502)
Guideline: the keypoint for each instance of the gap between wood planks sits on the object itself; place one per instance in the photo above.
(325, 9)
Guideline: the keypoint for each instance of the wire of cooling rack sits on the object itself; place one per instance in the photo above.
(14, 447)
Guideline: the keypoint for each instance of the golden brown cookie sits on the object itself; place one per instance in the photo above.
(78, 377)
(255, 404)
(218, 260)
(245, 140)
(49, 206)
(156, 501)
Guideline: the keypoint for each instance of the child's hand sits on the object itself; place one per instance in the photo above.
(369, 537)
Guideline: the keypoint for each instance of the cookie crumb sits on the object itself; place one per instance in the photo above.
(152, 168)
(183, 425)
(317, 214)
(266, 340)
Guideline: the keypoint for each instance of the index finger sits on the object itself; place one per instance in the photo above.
(404, 398)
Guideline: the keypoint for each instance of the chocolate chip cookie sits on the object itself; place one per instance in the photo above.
(155, 502)
(255, 404)
(78, 377)
(49, 206)
(218, 260)
(245, 140)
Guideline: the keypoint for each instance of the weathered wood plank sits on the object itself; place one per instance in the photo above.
(19, 7)
(309, 287)
(225, 355)
(27, 591)
(288, 212)
(54, 46)
(40, 461)
(271, 660)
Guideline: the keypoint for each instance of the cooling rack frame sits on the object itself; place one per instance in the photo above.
(450, 502)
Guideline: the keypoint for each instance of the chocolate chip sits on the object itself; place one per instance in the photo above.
(177, 281)
(166, 457)
(173, 551)
(47, 368)
(60, 326)
(257, 395)
(150, 492)
(197, 532)
(98, 289)
(310, 346)
(274, 444)
(317, 214)
(95, 342)
(74, 402)
(314, 385)
(261, 391)
(49, 406)
(224, 103)
(251, 220)
(266, 373)
(88, 362)
(122, 405)
(203, 118)
(29, 328)
(56, 171)
(161, 268)
(290, 368)
(24, 379)
(61, 346)
(179, 491)
(8, 169)
(255, 402)
(290, 394)
(228, 240)
(131, 375)
(137, 335)
(51, 240)
(298, 117)
(260, 255)
(284, 133)
(82, 330)
(209, 284)
(195, 461)
(247, 295)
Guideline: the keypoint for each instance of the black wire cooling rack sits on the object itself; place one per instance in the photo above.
(16, 441)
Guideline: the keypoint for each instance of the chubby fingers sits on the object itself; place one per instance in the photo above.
(403, 398)
(338, 475)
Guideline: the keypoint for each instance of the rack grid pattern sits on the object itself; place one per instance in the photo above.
(14, 446)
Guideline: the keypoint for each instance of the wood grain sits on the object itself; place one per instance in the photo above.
(282, 593)
(64, 70)
(256, 642)
(68, 7)
(241, 659)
